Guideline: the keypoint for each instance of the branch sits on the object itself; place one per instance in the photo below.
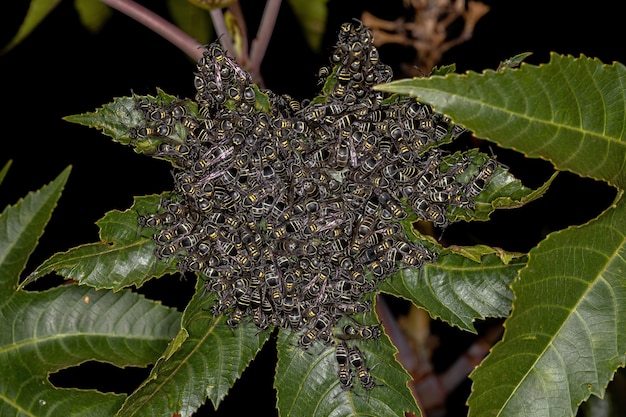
(262, 40)
(156, 23)
(192, 47)
(221, 30)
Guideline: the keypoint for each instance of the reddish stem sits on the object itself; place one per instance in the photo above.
(192, 47)
(264, 34)
(153, 21)
(222, 32)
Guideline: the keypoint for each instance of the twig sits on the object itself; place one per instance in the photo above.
(405, 355)
(262, 40)
(193, 48)
(434, 388)
(222, 32)
(428, 32)
(156, 23)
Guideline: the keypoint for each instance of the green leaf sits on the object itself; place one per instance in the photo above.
(476, 253)
(115, 119)
(312, 15)
(65, 326)
(119, 118)
(124, 256)
(93, 14)
(203, 361)
(37, 11)
(514, 61)
(308, 385)
(503, 190)
(194, 21)
(612, 404)
(262, 102)
(5, 170)
(443, 70)
(565, 337)
(567, 333)
(22, 225)
(464, 285)
(211, 4)
(44, 332)
(570, 111)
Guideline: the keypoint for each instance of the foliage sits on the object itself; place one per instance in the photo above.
(192, 16)
(45, 331)
(564, 338)
(207, 353)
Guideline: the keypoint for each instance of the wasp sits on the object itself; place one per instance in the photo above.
(353, 308)
(345, 121)
(342, 291)
(345, 373)
(167, 251)
(235, 317)
(320, 327)
(259, 318)
(361, 332)
(487, 170)
(363, 374)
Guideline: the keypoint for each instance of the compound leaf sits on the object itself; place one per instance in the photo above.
(565, 337)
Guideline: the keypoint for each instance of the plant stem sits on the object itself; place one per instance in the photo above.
(192, 47)
(262, 40)
(222, 32)
(156, 23)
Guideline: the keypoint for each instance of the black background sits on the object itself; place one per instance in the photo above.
(62, 69)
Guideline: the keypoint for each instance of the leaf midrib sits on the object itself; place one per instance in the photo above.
(176, 369)
(555, 335)
(8, 349)
(522, 116)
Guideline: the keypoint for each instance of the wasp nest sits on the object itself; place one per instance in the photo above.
(291, 211)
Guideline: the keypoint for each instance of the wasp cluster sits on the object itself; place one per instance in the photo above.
(291, 212)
